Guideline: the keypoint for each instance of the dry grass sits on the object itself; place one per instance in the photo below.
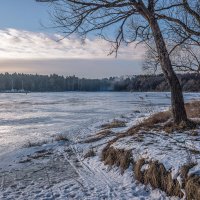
(192, 188)
(156, 121)
(25, 160)
(170, 127)
(119, 157)
(104, 133)
(40, 154)
(193, 109)
(139, 175)
(184, 172)
(114, 124)
(98, 136)
(90, 153)
(158, 118)
(162, 121)
(158, 177)
(35, 144)
(61, 137)
(155, 174)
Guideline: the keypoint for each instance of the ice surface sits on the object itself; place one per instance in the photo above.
(38, 116)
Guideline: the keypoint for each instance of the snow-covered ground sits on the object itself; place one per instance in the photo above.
(57, 170)
(174, 151)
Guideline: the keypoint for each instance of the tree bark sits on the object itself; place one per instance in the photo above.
(177, 101)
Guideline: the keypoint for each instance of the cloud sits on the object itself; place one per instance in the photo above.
(31, 52)
(21, 44)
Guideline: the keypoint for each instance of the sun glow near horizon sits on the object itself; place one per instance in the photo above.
(37, 52)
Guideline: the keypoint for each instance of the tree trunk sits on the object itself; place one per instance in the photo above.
(177, 101)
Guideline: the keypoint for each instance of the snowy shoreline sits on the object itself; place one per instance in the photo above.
(58, 170)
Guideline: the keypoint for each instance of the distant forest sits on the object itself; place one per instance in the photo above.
(53, 83)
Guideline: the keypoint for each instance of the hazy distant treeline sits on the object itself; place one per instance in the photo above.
(55, 83)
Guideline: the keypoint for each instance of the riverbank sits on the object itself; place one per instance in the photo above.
(164, 156)
(119, 159)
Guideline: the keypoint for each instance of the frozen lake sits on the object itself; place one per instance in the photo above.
(39, 116)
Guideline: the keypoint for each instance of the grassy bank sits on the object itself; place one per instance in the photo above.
(160, 154)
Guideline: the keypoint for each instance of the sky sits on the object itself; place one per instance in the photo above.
(28, 47)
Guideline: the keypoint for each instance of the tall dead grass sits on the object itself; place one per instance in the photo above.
(193, 109)
(114, 124)
(119, 157)
(162, 121)
(156, 175)
(192, 188)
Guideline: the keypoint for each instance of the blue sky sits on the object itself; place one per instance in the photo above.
(24, 14)
(27, 47)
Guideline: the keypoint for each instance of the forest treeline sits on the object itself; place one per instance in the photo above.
(190, 82)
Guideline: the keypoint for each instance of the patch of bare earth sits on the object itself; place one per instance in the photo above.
(155, 173)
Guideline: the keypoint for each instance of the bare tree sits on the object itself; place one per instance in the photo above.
(182, 13)
(187, 59)
(133, 20)
(183, 37)
(184, 58)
